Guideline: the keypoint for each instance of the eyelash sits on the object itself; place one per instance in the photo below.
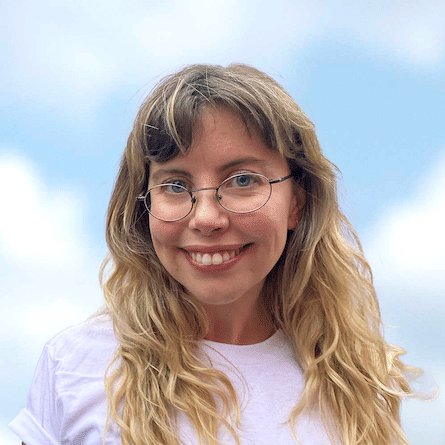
(172, 181)
(189, 186)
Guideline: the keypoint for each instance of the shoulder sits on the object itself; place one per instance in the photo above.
(67, 400)
(83, 347)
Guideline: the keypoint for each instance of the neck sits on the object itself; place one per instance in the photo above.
(238, 325)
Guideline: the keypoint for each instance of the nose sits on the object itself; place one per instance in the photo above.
(208, 215)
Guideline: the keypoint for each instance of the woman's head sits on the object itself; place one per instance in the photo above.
(173, 124)
(222, 256)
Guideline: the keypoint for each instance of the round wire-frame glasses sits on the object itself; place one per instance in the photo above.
(146, 199)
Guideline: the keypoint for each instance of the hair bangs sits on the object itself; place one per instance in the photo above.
(171, 115)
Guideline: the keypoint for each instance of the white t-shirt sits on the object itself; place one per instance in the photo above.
(67, 402)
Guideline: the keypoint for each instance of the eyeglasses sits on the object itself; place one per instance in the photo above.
(241, 193)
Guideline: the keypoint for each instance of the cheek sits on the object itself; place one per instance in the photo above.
(164, 237)
(271, 227)
(162, 234)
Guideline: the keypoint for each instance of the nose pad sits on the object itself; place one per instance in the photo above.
(218, 198)
(207, 209)
(209, 215)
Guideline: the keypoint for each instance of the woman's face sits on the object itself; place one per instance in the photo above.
(249, 244)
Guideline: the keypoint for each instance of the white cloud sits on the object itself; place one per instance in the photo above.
(407, 245)
(49, 274)
(85, 47)
(410, 31)
(74, 52)
(37, 224)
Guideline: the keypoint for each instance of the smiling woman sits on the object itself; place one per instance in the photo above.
(239, 305)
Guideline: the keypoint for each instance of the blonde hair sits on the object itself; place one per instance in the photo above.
(320, 292)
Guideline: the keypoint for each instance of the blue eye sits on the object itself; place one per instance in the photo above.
(243, 180)
(176, 186)
(244, 183)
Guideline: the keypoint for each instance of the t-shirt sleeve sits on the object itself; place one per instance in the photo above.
(39, 422)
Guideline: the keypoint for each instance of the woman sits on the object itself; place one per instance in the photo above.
(241, 305)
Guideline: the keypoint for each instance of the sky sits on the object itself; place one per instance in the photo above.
(72, 75)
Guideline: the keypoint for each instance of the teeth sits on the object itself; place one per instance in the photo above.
(208, 259)
(217, 258)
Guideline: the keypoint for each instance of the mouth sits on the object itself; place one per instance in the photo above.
(216, 258)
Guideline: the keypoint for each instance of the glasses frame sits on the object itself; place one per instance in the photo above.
(143, 198)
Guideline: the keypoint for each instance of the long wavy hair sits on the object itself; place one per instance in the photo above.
(320, 292)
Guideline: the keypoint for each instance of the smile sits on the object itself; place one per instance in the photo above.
(216, 258)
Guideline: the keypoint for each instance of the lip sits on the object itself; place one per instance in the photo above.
(217, 248)
(215, 267)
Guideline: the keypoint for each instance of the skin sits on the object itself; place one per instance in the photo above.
(230, 297)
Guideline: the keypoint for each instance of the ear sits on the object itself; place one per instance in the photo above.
(298, 201)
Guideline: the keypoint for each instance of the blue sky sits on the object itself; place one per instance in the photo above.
(369, 74)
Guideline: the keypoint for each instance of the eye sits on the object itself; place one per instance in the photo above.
(242, 180)
(175, 186)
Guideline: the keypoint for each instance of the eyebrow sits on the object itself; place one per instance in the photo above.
(236, 162)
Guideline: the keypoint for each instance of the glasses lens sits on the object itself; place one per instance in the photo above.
(244, 193)
(169, 202)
